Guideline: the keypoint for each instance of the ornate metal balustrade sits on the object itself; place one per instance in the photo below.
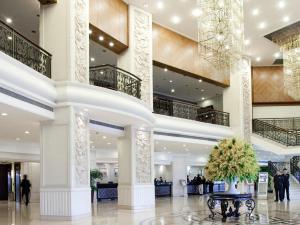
(117, 79)
(275, 133)
(190, 111)
(292, 123)
(17, 46)
(295, 167)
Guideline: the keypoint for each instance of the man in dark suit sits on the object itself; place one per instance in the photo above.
(286, 184)
(278, 186)
(25, 185)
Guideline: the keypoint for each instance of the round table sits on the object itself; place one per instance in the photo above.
(233, 210)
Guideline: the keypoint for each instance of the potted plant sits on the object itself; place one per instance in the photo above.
(95, 175)
(232, 160)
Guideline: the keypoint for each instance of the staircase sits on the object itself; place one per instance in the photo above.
(285, 131)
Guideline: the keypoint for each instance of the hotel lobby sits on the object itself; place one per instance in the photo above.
(149, 112)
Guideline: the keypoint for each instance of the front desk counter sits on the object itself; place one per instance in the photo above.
(163, 189)
(107, 191)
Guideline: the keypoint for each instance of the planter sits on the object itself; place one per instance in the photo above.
(232, 187)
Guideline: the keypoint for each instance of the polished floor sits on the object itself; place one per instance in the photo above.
(168, 211)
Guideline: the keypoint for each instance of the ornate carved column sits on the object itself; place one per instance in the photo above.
(65, 186)
(237, 99)
(136, 189)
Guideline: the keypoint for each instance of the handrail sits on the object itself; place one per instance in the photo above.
(290, 123)
(278, 134)
(22, 49)
(115, 67)
(190, 111)
(115, 78)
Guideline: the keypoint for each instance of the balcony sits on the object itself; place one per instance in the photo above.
(112, 77)
(189, 111)
(17, 46)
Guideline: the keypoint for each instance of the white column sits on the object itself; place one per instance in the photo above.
(137, 59)
(179, 172)
(237, 98)
(65, 188)
(136, 169)
(93, 161)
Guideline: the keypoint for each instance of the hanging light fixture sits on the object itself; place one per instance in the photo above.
(220, 31)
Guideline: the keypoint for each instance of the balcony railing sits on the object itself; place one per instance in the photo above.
(189, 111)
(292, 123)
(276, 133)
(117, 79)
(17, 46)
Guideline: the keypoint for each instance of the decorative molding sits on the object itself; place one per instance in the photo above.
(81, 153)
(142, 29)
(143, 157)
(81, 41)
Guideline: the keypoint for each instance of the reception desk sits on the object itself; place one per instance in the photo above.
(163, 189)
(107, 191)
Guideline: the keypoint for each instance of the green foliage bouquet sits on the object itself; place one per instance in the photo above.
(232, 159)
(94, 175)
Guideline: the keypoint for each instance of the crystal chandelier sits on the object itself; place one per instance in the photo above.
(220, 31)
(291, 65)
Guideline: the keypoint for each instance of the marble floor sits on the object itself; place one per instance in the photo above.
(168, 211)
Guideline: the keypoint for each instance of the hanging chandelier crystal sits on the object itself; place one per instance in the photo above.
(220, 31)
(291, 65)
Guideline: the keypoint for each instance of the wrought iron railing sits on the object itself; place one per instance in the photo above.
(291, 123)
(190, 111)
(17, 46)
(275, 133)
(295, 167)
(117, 79)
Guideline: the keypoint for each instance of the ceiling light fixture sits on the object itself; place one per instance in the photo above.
(101, 38)
(262, 25)
(175, 19)
(92, 59)
(108, 143)
(166, 69)
(281, 4)
(165, 148)
(8, 20)
(255, 12)
(171, 81)
(160, 5)
(277, 55)
(172, 90)
(9, 37)
(90, 31)
(27, 132)
(199, 80)
(4, 114)
(258, 59)
(104, 137)
(286, 19)
(247, 42)
(202, 90)
(111, 44)
(203, 98)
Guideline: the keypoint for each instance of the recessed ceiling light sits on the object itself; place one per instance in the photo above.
(18, 139)
(101, 38)
(111, 44)
(166, 69)
(101, 72)
(255, 12)
(184, 145)
(199, 80)
(247, 42)
(108, 143)
(160, 5)
(262, 25)
(277, 55)
(8, 20)
(281, 4)
(104, 137)
(165, 148)
(4, 114)
(196, 12)
(170, 81)
(172, 90)
(203, 98)
(90, 31)
(9, 37)
(258, 59)
(92, 59)
(286, 19)
(175, 19)
(27, 132)
(202, 90)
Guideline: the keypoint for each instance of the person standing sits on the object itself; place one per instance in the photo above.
(278, 186)
(25, 185)
(286, 184)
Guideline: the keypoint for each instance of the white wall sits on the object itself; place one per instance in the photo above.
(164, 171)
(276, 111)
(32, 169)
(216, 101)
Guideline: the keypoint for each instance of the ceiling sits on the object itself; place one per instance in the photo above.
(261, 17)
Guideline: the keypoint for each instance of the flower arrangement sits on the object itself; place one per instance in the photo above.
(232, 159)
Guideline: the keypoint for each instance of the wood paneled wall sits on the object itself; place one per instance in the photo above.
(181, 54)
(111, 18)
(267, 86)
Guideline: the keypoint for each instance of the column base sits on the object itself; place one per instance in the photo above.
(65, 204)
(135, 197)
